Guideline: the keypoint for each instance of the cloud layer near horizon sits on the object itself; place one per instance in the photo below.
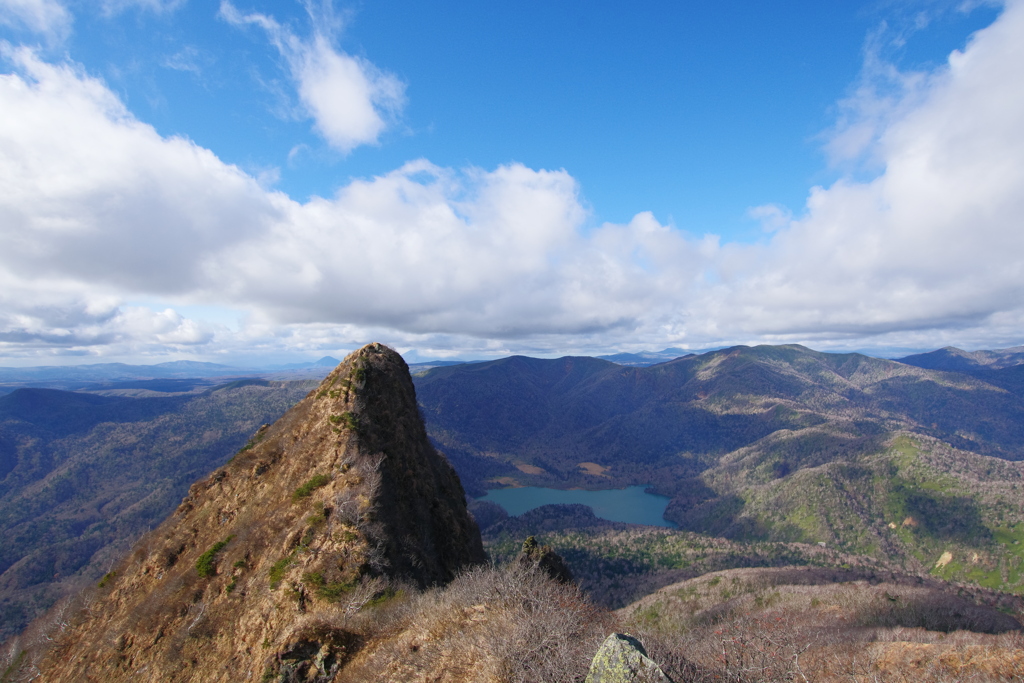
(96, 209)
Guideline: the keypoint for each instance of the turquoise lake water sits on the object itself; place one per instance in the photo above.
(630, 505)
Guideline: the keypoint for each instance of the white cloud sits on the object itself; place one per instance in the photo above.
(771, 216)
(934, 241)
(157, 6)
(61, 320)
(96, 208)
(428, 250)
(349, 98)
(90, 195)
(40, 16)
(89, 192)
(189, 58)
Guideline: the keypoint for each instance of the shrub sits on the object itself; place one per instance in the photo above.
(331, 592)
(384, 596)
(278, 569)
(255, 439)
(306, 490)
(524, 627)
(205, 564)
(346, 419)
(107, 578)
(317, 518)
(14, 666)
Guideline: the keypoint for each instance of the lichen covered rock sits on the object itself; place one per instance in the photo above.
(623, 659)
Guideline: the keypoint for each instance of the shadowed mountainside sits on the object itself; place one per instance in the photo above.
(536, 420)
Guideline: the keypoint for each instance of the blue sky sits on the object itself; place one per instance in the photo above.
(268, 181)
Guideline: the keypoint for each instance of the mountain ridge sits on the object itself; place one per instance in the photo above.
(342, 490)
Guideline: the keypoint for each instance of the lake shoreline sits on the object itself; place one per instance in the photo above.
(631, 505)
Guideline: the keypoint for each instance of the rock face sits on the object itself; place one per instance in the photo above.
(253, 576)
(622, 659)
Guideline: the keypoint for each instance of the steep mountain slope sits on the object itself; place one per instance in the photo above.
(83, 476)
(342, 491)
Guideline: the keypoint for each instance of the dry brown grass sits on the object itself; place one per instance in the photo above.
(513, 625)
(743, 626)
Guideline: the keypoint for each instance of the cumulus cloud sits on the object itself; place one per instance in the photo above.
(934, 240)
(425, 249)
(97, 208)
(89, 192)
(349, 98)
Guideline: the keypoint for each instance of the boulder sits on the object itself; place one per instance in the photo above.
(623, 659)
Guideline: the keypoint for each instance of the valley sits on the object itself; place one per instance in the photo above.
(856, 471)
(767, 444)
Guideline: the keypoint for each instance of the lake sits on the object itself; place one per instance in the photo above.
(630, 504)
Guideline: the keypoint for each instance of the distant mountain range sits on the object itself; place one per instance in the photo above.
(104, 376)
(107, 377)
(114, 372)
(327, 362)
(957, 360)
(185, 375)
(644, 358)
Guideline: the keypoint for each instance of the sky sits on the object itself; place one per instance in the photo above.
(252, 182)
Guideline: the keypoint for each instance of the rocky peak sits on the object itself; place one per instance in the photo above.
(265, 557)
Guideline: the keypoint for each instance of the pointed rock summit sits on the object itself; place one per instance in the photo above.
(253, 576)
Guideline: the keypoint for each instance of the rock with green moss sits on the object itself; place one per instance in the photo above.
(546, 559)
(622, 659)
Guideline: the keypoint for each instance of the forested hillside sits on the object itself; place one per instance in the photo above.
(781, 444)
(82, 476)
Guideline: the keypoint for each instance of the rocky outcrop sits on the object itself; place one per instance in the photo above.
(623, 659)
(546, 559)
(252, 578)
